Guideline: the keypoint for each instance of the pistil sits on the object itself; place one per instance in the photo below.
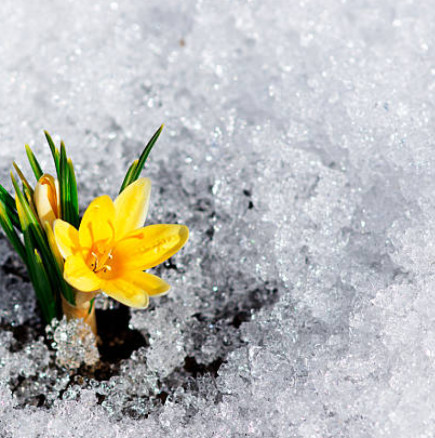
(104, 266)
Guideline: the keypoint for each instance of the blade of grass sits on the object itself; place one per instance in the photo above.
(34, 164)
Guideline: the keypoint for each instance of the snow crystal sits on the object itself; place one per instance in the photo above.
(298, 148)
(73, 342)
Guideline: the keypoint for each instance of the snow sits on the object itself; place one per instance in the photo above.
(298, 148)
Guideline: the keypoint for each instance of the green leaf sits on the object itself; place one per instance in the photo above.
(63, 184)
(40, 272)
(34, 164)
(69, 205)
(128, 175)
(54, 152)
(28, 215)
(135, 172)
(43, 282)
(9, 203)
(91, 305)
(40, 278)
(145, 153)
(10, 232)
(68, 189)
(73, 194)
(52, 244)
(23, 179)
(66, 288)
(28, 219)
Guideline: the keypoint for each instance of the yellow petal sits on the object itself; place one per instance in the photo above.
(149, 246)
(96, 227)
(131, 207)
(79, 275)
(126, 292)
(46, 199)
(67, 238)
(152, 284)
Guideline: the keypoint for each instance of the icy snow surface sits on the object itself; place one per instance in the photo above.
(299, 150)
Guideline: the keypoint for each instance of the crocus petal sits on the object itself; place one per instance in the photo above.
(46, 197)
(126, 292)
(97, 224)
(67, 238)
(79, 275)
(152, 284)
(149, 246)
(131, 207)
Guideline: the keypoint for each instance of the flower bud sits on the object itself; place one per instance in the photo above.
(47, 199)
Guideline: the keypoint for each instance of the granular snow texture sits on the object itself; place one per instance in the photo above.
(299, 149)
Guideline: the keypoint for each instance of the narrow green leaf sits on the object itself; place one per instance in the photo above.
(65, 287)
(44, 282)
(34, 164)
(10, 232)
(28, 216)
(43, 294)
(64, 185)
(40, 278)
(52, 244)
(92, 302)
(128, 175)
(7, 197)
(10, 206)
(134, 171)
(23, 178)
(28, 220)
(54, 152)
(29, 198)
(75, 218)
(145, 153)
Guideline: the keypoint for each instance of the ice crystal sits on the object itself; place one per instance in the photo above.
(298, 148)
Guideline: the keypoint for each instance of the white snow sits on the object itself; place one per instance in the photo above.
(299, 149)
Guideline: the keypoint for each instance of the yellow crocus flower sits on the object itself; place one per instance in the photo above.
(110, 250)
(46, 198)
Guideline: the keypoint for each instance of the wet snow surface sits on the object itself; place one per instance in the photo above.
(299, 150)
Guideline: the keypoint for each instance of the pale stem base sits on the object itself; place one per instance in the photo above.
(81, 309)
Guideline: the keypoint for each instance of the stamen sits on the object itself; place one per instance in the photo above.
(103, 268)
(101, 261)
(94, 265)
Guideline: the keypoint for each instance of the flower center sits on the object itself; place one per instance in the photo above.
(100, 256)
(101, 262)
(100, 259)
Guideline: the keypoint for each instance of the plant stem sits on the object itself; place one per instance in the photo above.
(83, 309)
